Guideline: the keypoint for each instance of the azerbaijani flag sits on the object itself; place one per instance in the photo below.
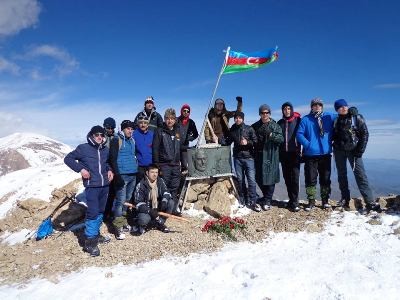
(239, 61)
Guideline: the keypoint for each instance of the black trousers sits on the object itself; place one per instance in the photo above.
(141, 173)
(318, 166)
(291, 171)
(172, 177)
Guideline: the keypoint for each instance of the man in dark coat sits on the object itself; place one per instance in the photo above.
(244, 139)
(109, 125)
(91, 161)
(188, 134)
(166, 153)
(149, 111)
(289, 154)
(350, 139)
(152, 196)
(269, 137)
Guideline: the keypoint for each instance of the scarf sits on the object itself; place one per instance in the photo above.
(318, 116)
(153, 195)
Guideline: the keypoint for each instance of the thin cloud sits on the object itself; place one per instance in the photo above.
(66, 62)
(16, 15)
(387, 86)
(7, 66)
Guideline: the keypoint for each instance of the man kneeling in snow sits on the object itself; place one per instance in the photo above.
(152, 196)
(90, 160)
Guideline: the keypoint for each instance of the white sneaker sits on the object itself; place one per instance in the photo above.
(266, 207)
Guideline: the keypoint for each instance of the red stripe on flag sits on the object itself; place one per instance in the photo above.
(247, 61)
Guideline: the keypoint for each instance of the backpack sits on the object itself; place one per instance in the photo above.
(350, 140)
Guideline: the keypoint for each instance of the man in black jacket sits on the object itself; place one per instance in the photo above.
(188, 134)
(152, 196)
(289, 153)
(166, 153)
(349, 142)
(244, 138)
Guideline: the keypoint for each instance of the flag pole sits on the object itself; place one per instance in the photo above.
(212, 97)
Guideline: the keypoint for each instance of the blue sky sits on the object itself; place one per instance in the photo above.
(67, 65)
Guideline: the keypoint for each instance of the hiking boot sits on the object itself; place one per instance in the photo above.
(161, 226)
(325, 204)
(126, 228)
(91, 247)
(104, 239)
(374, 206)
(311, 205)
(119, 233)
(256, 207)
(138, 230)
(294, 208)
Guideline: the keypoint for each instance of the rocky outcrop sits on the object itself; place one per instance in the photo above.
(215, 196)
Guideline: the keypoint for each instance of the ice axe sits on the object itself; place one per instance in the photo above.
(160, 213)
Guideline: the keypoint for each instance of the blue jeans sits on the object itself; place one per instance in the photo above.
(244, 167)
(124, 194)
(357, 165)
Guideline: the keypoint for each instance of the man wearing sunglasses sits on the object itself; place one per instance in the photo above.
(315, 135)
(188, 134)
(269, 137)
(124, 163)
(90, 160)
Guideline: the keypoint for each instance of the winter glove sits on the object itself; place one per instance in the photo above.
(143, 209)
(164, 205)
(118, 181)
(153, 213)
(353, 111)
(239, 99)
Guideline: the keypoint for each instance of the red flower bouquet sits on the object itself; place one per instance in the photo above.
(225, 226)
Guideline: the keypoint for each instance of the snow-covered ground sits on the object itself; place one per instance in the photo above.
(47, 170)
(34, 182)
(350, 259)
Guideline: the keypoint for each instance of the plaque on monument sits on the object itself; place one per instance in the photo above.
(209, 161)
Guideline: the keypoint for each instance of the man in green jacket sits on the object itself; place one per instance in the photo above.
(269, 136)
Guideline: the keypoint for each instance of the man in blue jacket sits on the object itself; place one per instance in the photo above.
(90, 160)
(315, 135)
(144, 146)
(124, 163)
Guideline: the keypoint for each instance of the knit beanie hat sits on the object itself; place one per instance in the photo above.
(109, 122)
(263, 108)
(340, 103)
(317, 101)
(97, 129)
(239, 114)
(143, 118)
(149, 99)
(126, 124)
(170, 112)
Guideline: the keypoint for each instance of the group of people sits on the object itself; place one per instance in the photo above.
(142, 165)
